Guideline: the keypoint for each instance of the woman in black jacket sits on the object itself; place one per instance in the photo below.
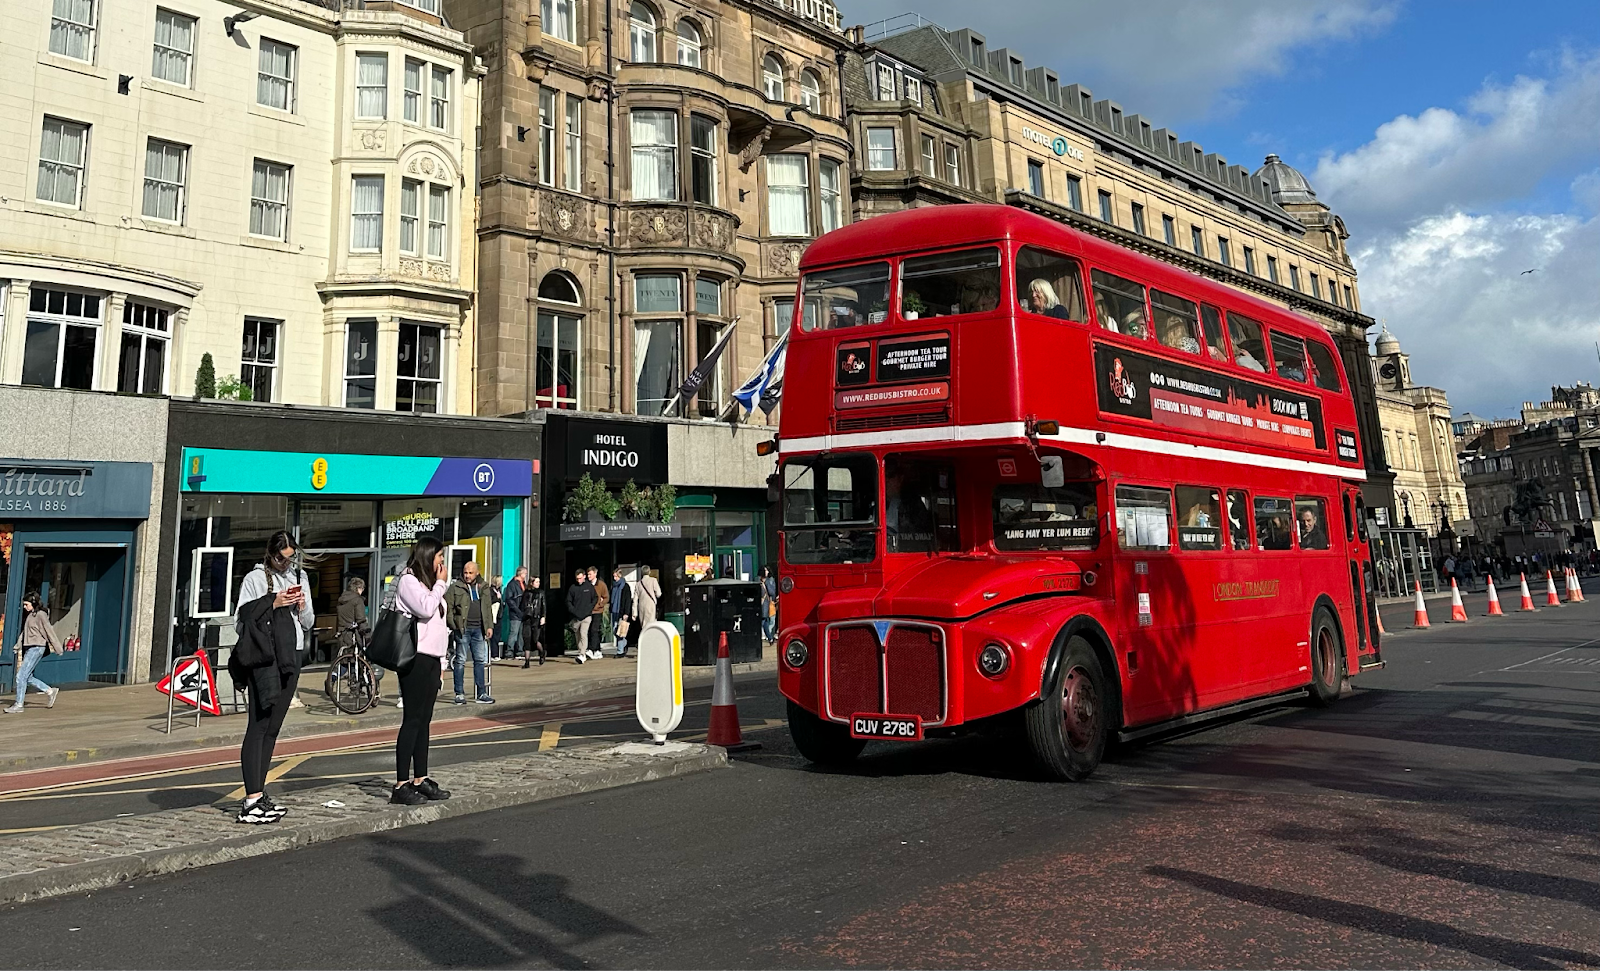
(533, 617)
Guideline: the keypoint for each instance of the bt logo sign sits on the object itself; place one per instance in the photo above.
(483, 477)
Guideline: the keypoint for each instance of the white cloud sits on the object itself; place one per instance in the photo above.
(1442, 227)
(1174, 60)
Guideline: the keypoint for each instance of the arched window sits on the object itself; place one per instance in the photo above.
(641, 34)
(558, 345)
(688, 43)
(772, 77)
(810, 90)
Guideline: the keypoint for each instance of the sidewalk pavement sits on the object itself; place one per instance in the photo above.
(93, 856)
(97, 724)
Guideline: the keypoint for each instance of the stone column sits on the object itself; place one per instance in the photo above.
(14, 333)
(110, 349)
(388, 361)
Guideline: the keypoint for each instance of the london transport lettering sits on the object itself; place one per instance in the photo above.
(1134, 385)
(1246, 590)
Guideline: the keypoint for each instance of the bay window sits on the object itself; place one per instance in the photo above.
(788, 195)
(703, 159)
(438, 222)
(832, 194)
(880, 149)
(641, 34)
(654, 139)
(142, 367)
(372, 85)
(657, 343)
(366, 214)
(439, 100)
(361, 364)
(63, 332)
(772, 77)
(413, 90)
(417, 368)
(688, 44)
(410, 213)
(558, 20)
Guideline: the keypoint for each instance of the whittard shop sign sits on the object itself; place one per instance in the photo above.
(74, 490)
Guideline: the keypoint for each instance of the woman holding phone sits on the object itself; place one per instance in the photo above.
(271, 688)
(420, 593)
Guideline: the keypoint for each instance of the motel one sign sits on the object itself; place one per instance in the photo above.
(819, 12)
(1056, 143)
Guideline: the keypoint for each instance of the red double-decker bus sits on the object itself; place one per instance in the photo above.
(1030, 474)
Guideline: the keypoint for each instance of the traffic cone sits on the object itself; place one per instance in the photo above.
(1458, 611)
(1494, 601)
(1527, 598)
(1577, 586)
(1422, 610)
(1550, 598)
(724, 709)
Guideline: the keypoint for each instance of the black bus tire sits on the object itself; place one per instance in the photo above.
(1327, 659)
(1068, 729)
(820, 741)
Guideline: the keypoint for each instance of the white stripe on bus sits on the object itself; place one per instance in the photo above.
(974, 434)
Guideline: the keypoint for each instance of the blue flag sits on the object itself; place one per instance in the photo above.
(767, 378)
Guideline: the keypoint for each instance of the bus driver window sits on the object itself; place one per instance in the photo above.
(848, 296)
(1050, 285)
(919, 506)
(830, 509)
(946, 284)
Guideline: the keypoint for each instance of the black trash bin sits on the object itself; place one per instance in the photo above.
(722, 606)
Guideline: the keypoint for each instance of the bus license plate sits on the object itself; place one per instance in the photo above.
(893, 728)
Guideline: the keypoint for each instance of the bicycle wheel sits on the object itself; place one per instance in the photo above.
(350, 684)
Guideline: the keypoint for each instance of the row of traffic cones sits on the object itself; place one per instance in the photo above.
(1458, 611)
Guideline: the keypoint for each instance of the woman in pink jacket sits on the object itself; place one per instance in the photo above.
(420, 594)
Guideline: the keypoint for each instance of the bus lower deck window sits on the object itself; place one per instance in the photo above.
(1311, 522)
(1274, 523)
(1119, 303)
(830, 509)
(1032, 517)
(1050, 285)
(949, 284)
(846, 297)
(919, 506)
(1199, 518)
(1144, 518)
(1239, 519)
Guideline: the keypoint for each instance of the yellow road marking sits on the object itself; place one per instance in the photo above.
(550, 736)
(273, 775)
(28, 829)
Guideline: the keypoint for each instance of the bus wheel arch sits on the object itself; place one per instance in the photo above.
(1079, 710)
(1090, 630)
(1327, 651)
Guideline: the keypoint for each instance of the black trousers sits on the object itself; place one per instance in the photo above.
(419, 689)
(261, 736)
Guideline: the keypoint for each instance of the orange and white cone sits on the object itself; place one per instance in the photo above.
(1458, 611)
(1421, 619)
(1494, 601)
(1527, 598)
(724, 708)
(1577, 585)
(1574, 592)
(1550, 598)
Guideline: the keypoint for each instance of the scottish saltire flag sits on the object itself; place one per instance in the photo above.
(766, 378)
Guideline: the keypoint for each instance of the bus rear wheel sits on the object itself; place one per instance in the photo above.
(1327, 659)
(1069, 728)
(820, 741)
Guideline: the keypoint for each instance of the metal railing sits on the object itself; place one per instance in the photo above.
(899, 24)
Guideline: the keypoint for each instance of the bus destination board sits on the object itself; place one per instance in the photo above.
(1177, 396)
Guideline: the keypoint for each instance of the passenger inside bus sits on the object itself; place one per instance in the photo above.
(1239, 519)
(945, 284)
(1274, 526)
(1248, 349)
(1050, 285)
(1215, 347)
(1313, 523)
(1289, 353)
(1120, 305)
(1176, 323)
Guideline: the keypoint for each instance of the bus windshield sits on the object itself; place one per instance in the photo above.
(830, 509)
(846, 297)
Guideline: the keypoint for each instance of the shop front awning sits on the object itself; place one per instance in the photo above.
(583, 532)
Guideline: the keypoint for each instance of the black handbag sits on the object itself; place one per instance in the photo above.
(394, 641)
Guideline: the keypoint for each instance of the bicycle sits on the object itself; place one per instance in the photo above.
(352, 686)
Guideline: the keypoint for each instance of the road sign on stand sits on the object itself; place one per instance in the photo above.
(196, 685)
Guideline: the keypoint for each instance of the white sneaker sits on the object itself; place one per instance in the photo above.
(582, 657)
(14, 710)
(50, 697)
(295, 702)
(399, 702)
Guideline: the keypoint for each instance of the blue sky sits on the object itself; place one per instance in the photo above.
(1460, 140)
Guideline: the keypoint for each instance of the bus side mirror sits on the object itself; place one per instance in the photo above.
(1051, 473)
(774, 487)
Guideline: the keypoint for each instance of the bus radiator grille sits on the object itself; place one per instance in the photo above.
(914, 661)
(854, 672)
(903, 420)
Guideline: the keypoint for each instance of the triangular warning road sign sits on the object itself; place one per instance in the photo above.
(197, 686)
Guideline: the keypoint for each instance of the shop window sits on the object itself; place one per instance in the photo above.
(1289, 355)
(1239, 519)
(361, 364)
(688, 44)
(830, 509)
(1324, 373)
(919, 506)
(372, 85)
(258, 360)
(1144, 518)
(559, 20)
(788, 195)
(1249, 349)
(948, 284)
(830, 192)
(1033, 517)
(63, 334)
(1274, 523)
(146, 333)
(846, 297)
(1311, 522)
(174, 48)
(336, 524)
(220, 539)
(703, 159)
(641, 34)
(1050, 284)
(653, 136)
(656, 353)
(1119, 304)
(418, 368)
(1177, 322)
(1199, 518)
(1211, 327)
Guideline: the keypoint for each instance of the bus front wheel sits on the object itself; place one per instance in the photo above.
(822, 742)
(1327, 659)
(1068, 730)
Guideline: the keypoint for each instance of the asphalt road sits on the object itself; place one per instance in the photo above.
(1442, 816)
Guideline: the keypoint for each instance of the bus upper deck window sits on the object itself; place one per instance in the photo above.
(1323, 371)
(1119, 304)
(1248, 349)
(1289, 354)
(1216, 347)
(1177, 322)
(1050, 285)
(947, 284)
(846, 297)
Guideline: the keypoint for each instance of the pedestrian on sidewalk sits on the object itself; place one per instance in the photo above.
(38, 639)
(420, 595)
(646, 597)
(274, 616)
(534, 614)
(491, 630)
(581, 600)
(467, 609)
(621, 610)
(515, 592)
(769, 604)
(602, 613)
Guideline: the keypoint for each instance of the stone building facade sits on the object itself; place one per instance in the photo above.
(648, 182)
(967, 122)
(284, 186)
(1419, 446)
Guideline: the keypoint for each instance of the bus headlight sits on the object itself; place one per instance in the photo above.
(785, 584)
(795, 654)
(993, 660)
